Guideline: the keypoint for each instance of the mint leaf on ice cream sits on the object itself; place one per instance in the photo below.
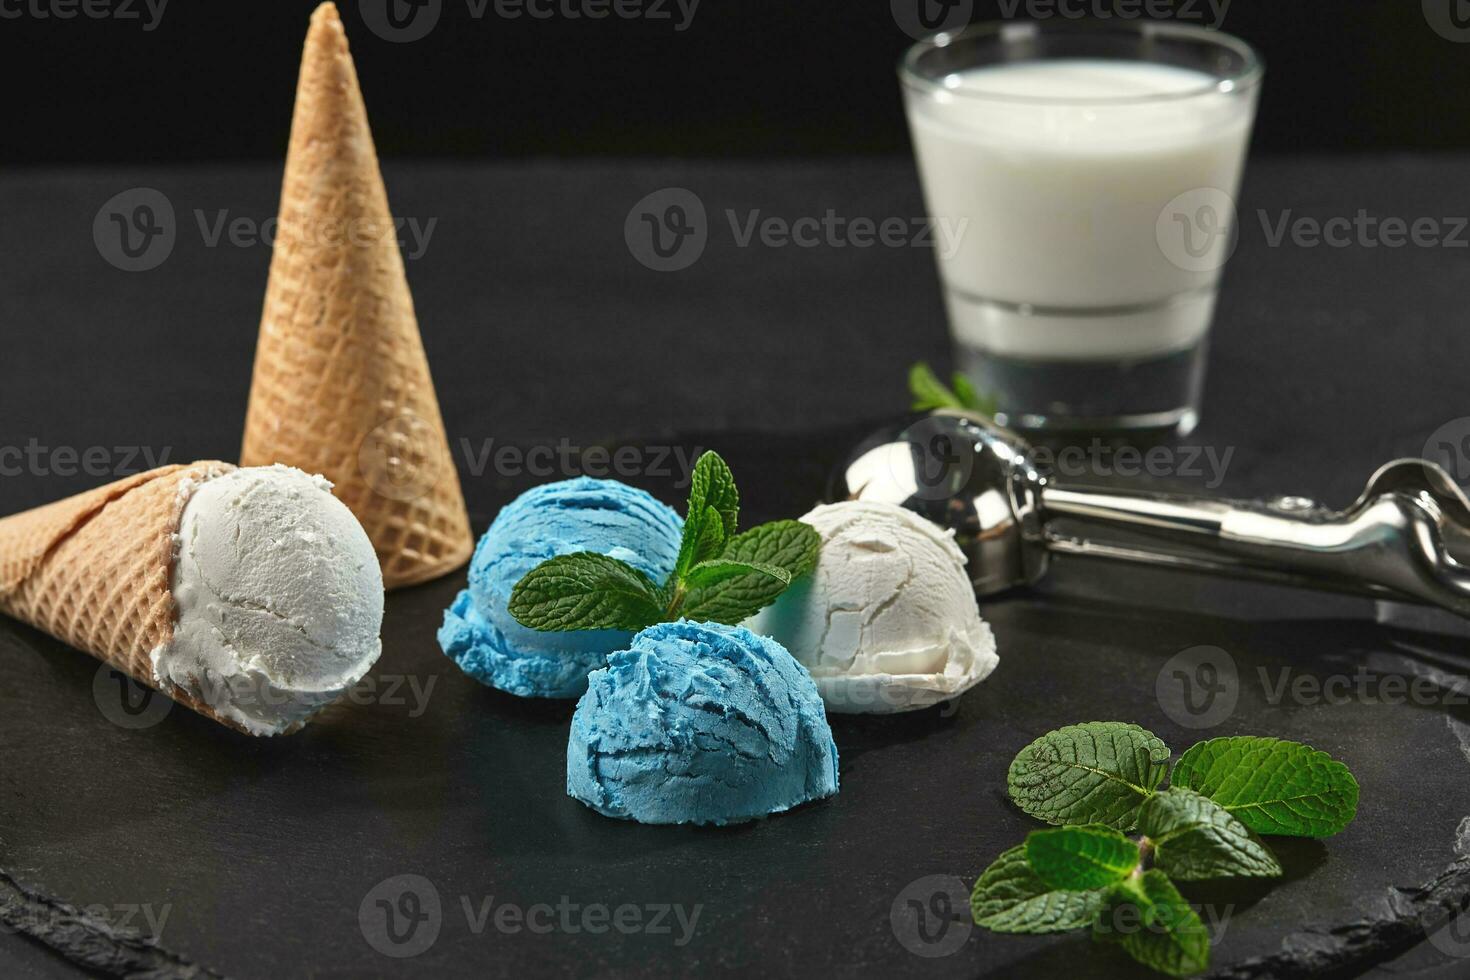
(714, 511)
(1100, 772)
(719, 576)
(1011, 897)
(1195, 838)
(790, 546)
(1081, 858)
(1272, 786)
(586, 591)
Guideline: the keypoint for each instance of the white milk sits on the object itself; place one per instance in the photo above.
(1068, 253)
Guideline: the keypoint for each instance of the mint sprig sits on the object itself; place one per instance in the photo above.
(1103, 778)
(720, 575)
(929, 393)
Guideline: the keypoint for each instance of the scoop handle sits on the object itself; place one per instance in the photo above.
(1398, 541)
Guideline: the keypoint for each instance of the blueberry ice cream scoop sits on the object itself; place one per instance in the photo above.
(602, 516)
(703, 724)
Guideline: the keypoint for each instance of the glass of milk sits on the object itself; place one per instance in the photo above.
(1089, 172)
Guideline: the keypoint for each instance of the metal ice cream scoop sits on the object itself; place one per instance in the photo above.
(1406, 538)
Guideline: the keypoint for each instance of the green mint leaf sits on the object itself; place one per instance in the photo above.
(1154, 925)
(718, 570)
(1011, 897)
(1195, 838)
(712, 515)
(789, 545)
(970, 398)
(1081, 858)
(928, 391)
(1272, 786)
(585, 591)
(1100, 772)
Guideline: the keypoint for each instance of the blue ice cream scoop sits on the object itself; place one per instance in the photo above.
(602, 516)
(700, 723)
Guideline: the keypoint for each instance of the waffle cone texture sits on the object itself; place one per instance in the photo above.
(341, 384)
(94, 570)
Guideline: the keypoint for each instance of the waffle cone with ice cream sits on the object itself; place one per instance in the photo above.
(208, 583)
(342, 384)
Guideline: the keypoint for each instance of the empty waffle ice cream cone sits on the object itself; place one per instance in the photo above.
(342, 384)
(251, 596)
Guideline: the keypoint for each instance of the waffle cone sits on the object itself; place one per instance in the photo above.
(94, 570)
(342, 384)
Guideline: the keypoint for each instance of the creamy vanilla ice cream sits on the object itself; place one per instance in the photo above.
(280, 598)
(887, 621)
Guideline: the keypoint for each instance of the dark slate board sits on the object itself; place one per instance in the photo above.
(1325, 363)
(263, 852)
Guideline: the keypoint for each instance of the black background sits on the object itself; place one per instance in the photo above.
(214, 79)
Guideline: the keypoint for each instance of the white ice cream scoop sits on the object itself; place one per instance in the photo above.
(280, 599)
(887, 621)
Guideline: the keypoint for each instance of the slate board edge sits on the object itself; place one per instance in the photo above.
(1409, 915)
